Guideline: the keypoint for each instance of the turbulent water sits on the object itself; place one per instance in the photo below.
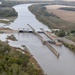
(64, 65)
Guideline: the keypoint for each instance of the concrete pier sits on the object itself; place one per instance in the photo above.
(53, 39)
(52, 49)
(45, 42)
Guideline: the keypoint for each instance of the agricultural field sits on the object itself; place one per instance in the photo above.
(63, 14)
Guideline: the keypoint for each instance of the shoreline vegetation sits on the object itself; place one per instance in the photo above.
(8, 12)
(70, 46)
(14, 62)
(50, 19)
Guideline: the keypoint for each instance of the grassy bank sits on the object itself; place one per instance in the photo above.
(6, 9)
(71, 37)
(7, 12)
(13, 62)
(70, 46)
(50, 19)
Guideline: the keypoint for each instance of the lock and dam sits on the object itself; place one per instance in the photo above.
(45, 39)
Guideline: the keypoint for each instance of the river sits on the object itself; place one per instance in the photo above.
(64, 65)
(25, 17)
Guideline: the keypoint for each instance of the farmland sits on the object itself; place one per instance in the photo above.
(63, 14)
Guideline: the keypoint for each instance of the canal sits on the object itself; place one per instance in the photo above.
(64, 65)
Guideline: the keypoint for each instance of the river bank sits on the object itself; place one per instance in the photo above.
(7, 30)
(21, 62)
(69, 44)
(33, 60)
(50, 19)
(8, 12)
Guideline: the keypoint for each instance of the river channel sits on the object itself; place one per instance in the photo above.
(51, 65)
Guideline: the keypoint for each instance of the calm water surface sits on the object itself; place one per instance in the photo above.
(25, 17)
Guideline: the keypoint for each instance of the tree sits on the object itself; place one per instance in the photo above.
(61, 33)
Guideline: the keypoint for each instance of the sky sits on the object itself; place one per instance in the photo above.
(40, 0)
(69, 0)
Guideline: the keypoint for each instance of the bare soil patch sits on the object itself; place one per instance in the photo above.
(7, 30)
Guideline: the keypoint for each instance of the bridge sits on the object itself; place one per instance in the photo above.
(26, 30)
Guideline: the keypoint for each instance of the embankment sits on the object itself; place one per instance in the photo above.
(69, 44)
(13, 62)
(50, 19)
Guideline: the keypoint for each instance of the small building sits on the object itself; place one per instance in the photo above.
(56, 30)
